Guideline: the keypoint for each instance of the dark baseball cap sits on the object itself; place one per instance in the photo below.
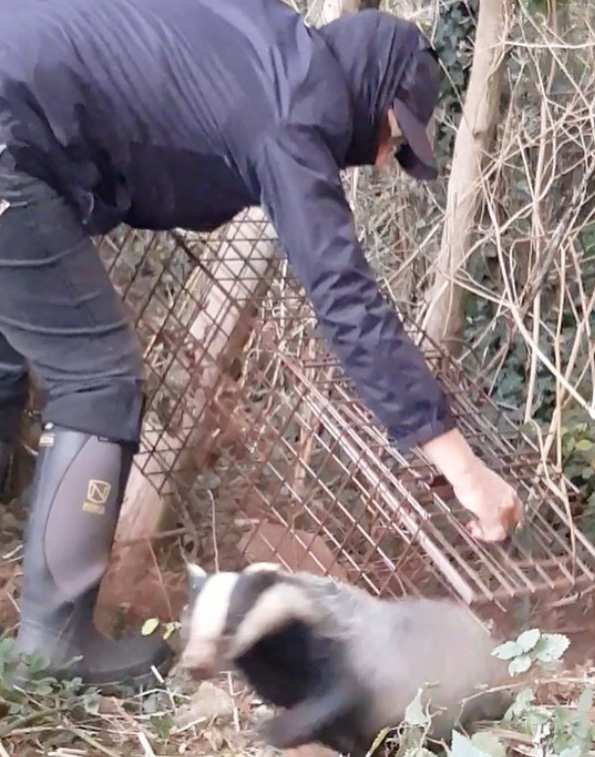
(413, 107)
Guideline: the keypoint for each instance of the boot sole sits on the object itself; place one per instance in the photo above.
(144, 680)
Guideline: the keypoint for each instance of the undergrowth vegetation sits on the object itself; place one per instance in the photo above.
(49, 715)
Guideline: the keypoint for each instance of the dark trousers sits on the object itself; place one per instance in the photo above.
(61, 318)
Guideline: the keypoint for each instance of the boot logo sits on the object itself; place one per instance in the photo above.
(97, 496)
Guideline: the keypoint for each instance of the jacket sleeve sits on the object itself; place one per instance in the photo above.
(302, 194)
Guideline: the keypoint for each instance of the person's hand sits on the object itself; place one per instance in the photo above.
(496, 506)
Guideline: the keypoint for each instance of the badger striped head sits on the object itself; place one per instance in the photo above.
(229, 612)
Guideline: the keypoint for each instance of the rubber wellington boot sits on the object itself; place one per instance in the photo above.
(76, 497)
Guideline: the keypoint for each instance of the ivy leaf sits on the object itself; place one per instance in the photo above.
(528, 639)
(149, 626)
(583, 445)
(414, 712)
(551, 647)
(519, 665)
(507, 651)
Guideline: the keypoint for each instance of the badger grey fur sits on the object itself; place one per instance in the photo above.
(343, 664)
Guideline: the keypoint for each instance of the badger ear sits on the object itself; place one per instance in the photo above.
(196, 577)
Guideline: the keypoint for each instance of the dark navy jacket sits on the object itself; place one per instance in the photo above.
(180, 113)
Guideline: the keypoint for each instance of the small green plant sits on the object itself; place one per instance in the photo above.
(533, 647)
(559, 731)
(42, 698)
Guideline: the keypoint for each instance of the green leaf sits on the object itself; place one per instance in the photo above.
(378, 741)
(522, 702)
(563, 720)
(583, 445)
(38, 664)
(43, 689)
(7, 649)
(461, 746)
(551, 647)
(414, 712)
(162, 725)
(585, 701)
(170, 629)
(536, 718)
(489, 744)
(149, 626)
(507, 651)
(91, 703)
(528, 639)
(572, 751)
(582, 728)
(519, 665)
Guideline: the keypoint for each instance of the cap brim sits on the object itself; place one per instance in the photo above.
(416, 156)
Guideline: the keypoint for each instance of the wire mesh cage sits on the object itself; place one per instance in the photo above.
(251, 422)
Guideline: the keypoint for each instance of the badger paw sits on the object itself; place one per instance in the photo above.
(283, 732)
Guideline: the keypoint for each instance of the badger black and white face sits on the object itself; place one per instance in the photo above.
(228, 613)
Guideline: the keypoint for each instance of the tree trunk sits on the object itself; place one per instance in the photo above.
(443, 320)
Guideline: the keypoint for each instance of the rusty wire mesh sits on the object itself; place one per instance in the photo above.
(251, 421)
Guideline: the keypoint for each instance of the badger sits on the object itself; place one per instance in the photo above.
(341, 664)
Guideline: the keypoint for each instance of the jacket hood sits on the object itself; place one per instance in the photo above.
(374, 49)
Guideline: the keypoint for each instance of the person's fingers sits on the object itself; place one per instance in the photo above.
(514, 512)
(492, 533)
(520, 512)
(499, 523)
